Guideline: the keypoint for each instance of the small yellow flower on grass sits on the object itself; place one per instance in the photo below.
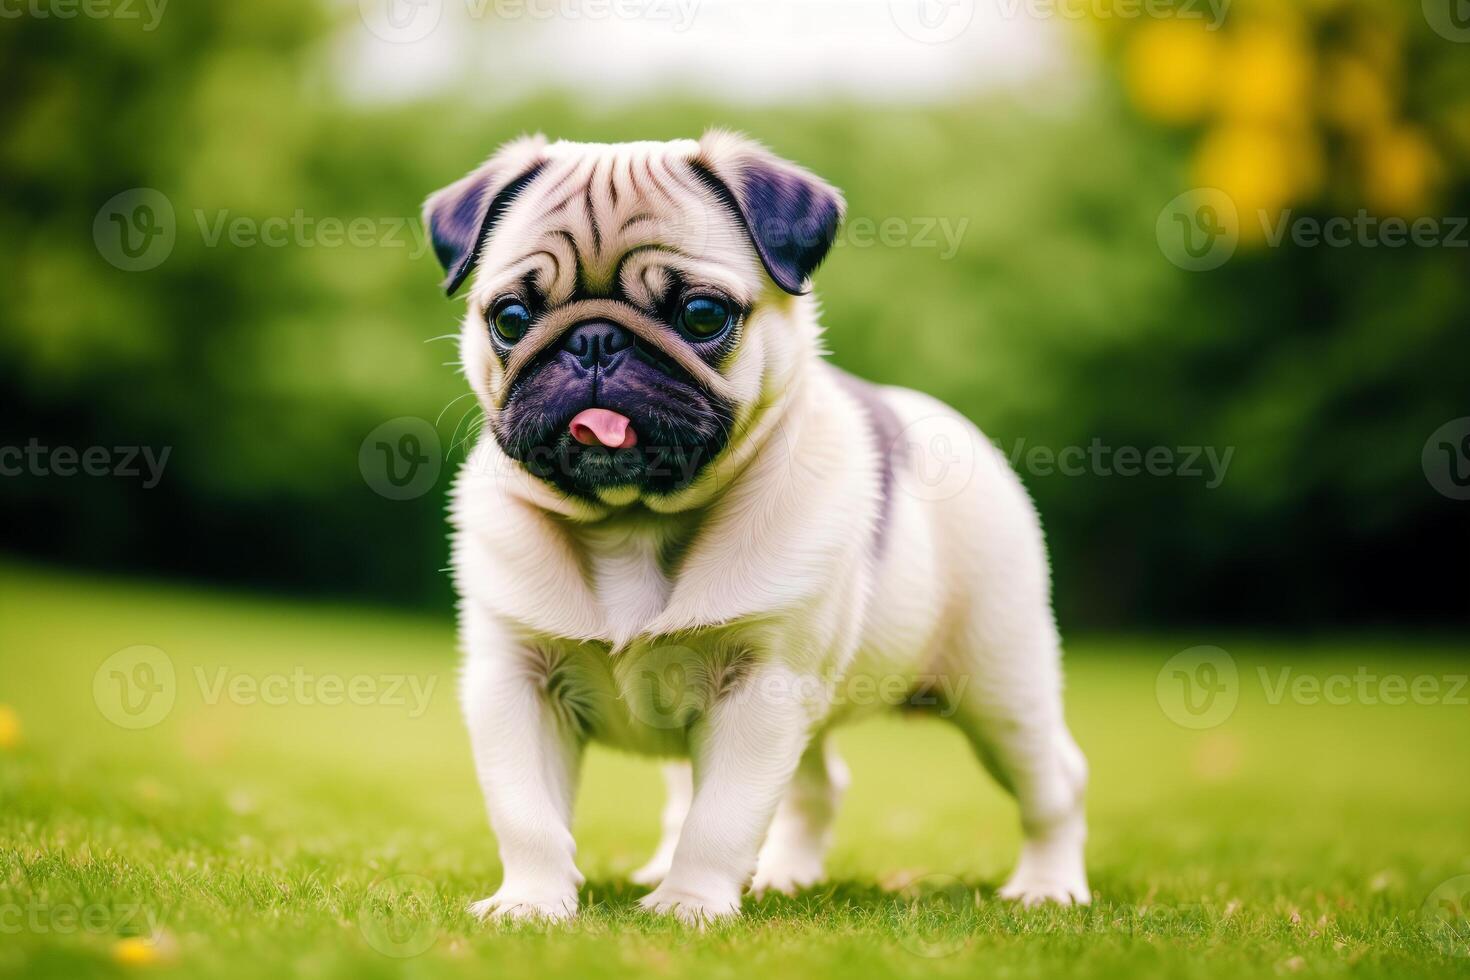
(9, 727)
(134, 951)
(139, 951)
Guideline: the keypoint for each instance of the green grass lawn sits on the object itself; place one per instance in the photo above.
(241, 837)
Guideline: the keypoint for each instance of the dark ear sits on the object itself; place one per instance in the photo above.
(460, 216)
(790, 213)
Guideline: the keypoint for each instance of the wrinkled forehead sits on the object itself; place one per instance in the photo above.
(630, 220)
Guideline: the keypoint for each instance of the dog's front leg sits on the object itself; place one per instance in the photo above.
(527, 763)
(744, 750)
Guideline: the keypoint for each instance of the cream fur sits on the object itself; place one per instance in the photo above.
(728, 622)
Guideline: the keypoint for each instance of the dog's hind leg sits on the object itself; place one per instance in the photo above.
(680, 785)
(1011, 711)
(796, 846)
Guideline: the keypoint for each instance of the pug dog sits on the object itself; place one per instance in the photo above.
(687, 535)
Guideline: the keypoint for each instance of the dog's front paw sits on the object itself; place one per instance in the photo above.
(688, 907)
(518, 906)
(1034, 889)
(1051, 869)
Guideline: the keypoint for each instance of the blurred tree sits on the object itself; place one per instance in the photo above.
(1025, 285)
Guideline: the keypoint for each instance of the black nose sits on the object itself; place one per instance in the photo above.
(596, 343)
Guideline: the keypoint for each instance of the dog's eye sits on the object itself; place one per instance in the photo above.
(704, 317)
(511, 321)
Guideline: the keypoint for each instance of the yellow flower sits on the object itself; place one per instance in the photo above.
(1399, 169)
(1255, 167)
(140, 951)
(1266, 77)
(9, 727)
(1169, 68)
(135, 951)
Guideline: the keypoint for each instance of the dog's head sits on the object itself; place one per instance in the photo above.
(634, 307)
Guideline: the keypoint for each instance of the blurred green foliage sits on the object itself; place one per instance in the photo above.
(1057, 322)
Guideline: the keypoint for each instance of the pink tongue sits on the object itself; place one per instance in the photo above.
(601, 427)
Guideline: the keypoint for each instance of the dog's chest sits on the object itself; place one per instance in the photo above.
(643, 697)
(629, 572)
